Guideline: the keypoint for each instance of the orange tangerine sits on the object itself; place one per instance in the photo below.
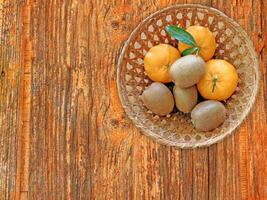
(204, 39)
(158, 61)
(220, 80)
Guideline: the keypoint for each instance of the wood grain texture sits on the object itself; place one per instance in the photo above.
(10, 90)
(63, 132)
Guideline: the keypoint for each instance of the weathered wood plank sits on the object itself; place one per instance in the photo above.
(242, 160)
(86, 127)
(10, 85)
(82, 146)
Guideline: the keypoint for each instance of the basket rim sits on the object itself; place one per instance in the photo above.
(217, 138)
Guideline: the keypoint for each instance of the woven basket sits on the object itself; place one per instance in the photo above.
(234, 46)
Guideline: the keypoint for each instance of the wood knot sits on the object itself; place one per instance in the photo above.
(115, 25)
(114, 122)
(126, 17)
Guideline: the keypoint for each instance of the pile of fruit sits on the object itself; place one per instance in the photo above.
(193, 72)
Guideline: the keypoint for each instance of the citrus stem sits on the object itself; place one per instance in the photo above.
(198, 49)
(214, 82)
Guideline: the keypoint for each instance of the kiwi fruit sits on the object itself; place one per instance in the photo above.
(208, 115)
(185, 98)
(187, 71)
(158, 98)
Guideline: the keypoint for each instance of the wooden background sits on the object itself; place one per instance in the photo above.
(63, 133)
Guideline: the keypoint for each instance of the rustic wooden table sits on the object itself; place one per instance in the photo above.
(63, 132)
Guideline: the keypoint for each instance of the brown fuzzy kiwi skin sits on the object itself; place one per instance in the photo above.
(208, 115)
(158, 98)
(187, 71)
(185, 98)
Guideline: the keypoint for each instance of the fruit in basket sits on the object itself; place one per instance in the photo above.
(204, 40)
(158, 98)
(220, 80)
(208, 115)
(187, 71)
(185, 98)
(158, 60)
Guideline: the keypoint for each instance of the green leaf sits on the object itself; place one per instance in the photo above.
(181, 35)
(190, 51)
